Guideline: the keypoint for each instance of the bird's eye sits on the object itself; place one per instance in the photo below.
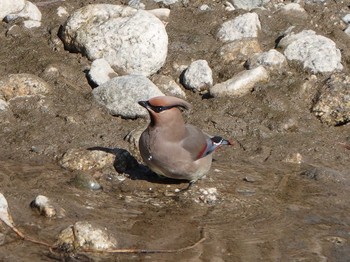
(159, 109)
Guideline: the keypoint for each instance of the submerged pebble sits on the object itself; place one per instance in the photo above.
(45, 207)
(86, 181)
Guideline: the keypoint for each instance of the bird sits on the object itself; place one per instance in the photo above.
(172, 148)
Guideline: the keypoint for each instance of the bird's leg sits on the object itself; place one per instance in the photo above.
(188, 186)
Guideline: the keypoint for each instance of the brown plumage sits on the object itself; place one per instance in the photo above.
(172, 148)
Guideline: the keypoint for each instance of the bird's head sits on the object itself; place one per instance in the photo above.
(165, 109)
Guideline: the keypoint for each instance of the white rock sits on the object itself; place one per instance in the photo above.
(243, 26)
(346, 19)
(204, 8)
(293, 7)
(10, 6)
(120, 95)
(61, 11)
(162, 13)
(168, 86)
(46, 208)
(229, 6)
(317, 53)
(132, 41)
(3, 105)
(240, 84)
(249, 4)
(101, 72)
(166, 2)
(271, 59)
(31, 24)
(30, 12)
(198, 76)
(347, 30)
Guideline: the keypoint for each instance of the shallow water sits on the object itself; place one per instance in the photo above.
(261, 213)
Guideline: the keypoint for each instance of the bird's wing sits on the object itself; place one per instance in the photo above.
(195, 142)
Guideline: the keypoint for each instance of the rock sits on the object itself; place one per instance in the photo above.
(86, 181)
(204, 8)
(86, 236)
(295, 158)
(346, 19)
(317, 53)
(243, 26)
(208, 195)
(3, 105)
(162, 13)
(325, 175)
(198, 76)
(120, 95)
(62, 12)
(249, 4)
(132, 41)
(20, 85)
(347, 30)
(101, 72)
(168, 86)
(30, 13)
(293, 7)
(271, 60)
(239, 50)
(82, 159)
(166, 2)
(31, 24)
(314, 1)
(9, 7)
(136, 4)
(45, 208)
(240, 84)
(333, 103)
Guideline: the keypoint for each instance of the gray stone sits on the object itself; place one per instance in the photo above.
(249, 4)
(19, 85)
(132, 41)
(332, 104)
(316, 53)
(243, 26)
(168, 86)
(198, 76)
(101, 72)
(240, 84)
(239, 50)
(121, 94)
(271, 60)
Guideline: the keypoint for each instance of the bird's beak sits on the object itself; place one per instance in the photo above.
(143, 103)
(226, 142)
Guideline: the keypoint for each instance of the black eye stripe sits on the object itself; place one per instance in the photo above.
(159, 109)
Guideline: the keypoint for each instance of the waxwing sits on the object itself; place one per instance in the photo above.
(171, 148)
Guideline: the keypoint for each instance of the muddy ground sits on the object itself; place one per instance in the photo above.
(267, 209)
